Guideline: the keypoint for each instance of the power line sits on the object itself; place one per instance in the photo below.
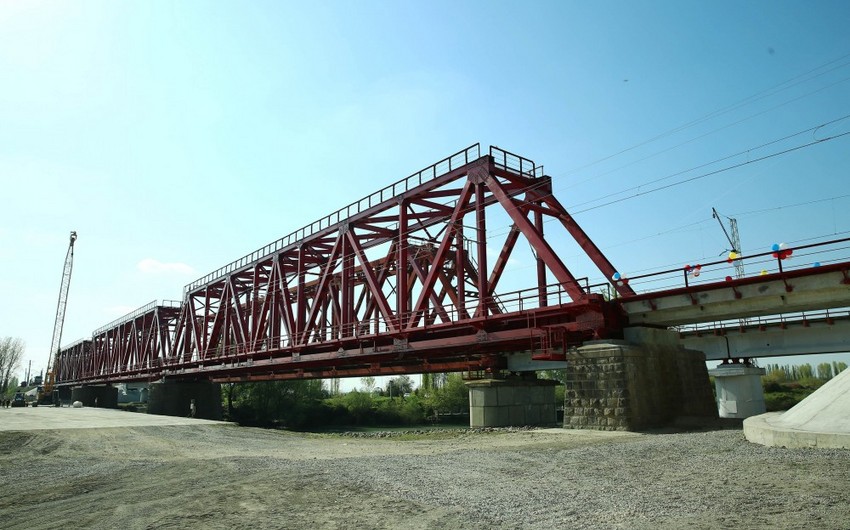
(639, 193)
(750, 99)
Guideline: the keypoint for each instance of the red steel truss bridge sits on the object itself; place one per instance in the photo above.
(401, 282)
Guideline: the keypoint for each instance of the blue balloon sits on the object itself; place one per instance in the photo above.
(616, 276)
(816, 264)
(775, 247)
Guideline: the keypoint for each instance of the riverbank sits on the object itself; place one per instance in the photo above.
(224, 476)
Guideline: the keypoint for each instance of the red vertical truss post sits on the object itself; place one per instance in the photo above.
(542, 295)
(402, 287)
(254, 300)
(300, 296)
(347, 303)
(460, 273)
(481, 236)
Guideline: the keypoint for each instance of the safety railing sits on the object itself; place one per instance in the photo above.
(782, 319)
(514, 163)
(147, 308)
(773, 261)
(446, 165)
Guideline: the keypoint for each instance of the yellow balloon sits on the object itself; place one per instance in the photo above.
(763, 272)
(733, 255)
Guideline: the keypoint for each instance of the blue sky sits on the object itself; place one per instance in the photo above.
(175, 137)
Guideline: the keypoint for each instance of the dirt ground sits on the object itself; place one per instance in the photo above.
(225, 476)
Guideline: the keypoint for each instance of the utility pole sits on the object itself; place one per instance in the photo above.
(734, 240)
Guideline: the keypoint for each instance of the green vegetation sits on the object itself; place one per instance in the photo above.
(306, 405)
(11, 353)
(785, 386)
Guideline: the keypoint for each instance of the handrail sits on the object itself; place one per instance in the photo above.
(796, 317)
(767, 261)
(136, 313)
(438, 169)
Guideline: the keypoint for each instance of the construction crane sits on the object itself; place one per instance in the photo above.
(734, 240)
(46, 396)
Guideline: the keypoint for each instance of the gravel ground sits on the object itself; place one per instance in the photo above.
(227, 476)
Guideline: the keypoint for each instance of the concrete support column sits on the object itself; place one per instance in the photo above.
(739, 391)
(645, 381)
(174, 398)
(63, 394)
(96, 396)
(511, 402)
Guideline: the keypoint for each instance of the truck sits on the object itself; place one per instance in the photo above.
(19, 400)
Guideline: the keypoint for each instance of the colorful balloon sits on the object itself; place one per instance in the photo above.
(816, 264)
(728, 278)
(763, 272)
(775, 247)
(616, 276)
(733, 255)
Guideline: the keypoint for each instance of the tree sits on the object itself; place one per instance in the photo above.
(399, 386)
(804, 371)
(11, 353)
(368, 384)
(452, 397)
(293, 403)
(825, 371)
(13, 384)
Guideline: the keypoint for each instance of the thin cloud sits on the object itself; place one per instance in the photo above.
(152, 266)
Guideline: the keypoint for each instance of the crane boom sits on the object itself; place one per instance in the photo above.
(60, 309)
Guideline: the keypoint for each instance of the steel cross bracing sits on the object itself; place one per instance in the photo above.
(403, 284)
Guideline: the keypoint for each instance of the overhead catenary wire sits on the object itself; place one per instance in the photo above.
(792, 82)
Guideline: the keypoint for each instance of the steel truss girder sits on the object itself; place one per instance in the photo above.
(399, 272)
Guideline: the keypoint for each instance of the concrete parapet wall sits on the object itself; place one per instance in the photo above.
(174, 398)
(511, 402)
(619, 385)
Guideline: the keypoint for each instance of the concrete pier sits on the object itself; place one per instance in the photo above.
(174, 398)
(739, 391)
(646, 381)
(101, 396)
(514, 401)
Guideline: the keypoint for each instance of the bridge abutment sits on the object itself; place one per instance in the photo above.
(174, 398)
(515, 401)
(96, 396)
(646, 381)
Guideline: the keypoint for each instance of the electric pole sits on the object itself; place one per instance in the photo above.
(734, 240)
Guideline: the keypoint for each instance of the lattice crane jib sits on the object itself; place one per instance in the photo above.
(60, 309)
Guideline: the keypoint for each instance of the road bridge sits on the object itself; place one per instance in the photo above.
(778, 335)
(401, 281)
